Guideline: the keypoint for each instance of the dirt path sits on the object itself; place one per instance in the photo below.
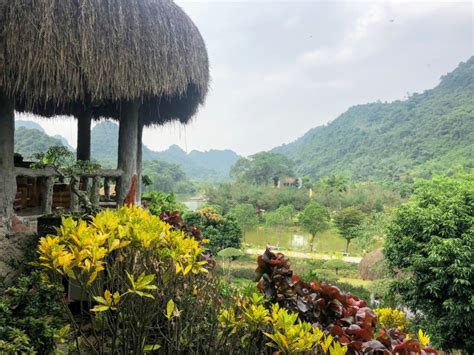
(298, 254)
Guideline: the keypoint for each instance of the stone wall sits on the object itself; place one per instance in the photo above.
(13, 242)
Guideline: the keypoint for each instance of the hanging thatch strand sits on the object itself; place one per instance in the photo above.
(63, 56)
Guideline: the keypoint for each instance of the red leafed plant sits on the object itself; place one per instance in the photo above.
(343, 315)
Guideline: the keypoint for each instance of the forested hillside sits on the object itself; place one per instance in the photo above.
(30, 141)
(211, 165)
(428, 132)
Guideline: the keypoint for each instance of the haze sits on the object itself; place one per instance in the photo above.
(280, 68)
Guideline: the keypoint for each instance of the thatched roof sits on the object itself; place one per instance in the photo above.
(65, 56)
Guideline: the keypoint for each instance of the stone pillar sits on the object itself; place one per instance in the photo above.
(127, 149)
(47, 201)
(107, 189)
(7, 149)
(83, 136)
(95, 191)
(139, 162)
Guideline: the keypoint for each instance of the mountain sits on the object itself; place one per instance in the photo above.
(427, 133)
(30, 141)
(29, 125)
(213, 165)
(64, 142)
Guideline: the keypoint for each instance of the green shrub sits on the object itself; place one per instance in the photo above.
(222, 232)
(147, 283)
(30, 315)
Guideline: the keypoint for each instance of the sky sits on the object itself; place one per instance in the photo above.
(280, 68)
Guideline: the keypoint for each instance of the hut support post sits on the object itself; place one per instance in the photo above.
(139, 162)
(127, 152)
(84, 136)
(47, 202)
(7, 149)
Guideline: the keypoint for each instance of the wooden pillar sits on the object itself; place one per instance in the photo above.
(7, 149)
(127, 149)
(83, 136)
(47, 201)
(139, 162)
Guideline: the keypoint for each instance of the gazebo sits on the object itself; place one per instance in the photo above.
(141, 62)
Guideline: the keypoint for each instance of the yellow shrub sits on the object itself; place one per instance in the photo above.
(81, 248)
(391, 318)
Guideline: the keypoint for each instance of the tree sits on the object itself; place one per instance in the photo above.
(348, 221)
(431, 242)
(314, 219)
(245, 216)
(281, 217)
(222, 232)
(262, 168)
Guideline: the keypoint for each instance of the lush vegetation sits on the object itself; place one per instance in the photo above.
(427, 133)
(431, 241)
(222, 232)
(262, 169)
(166, 177)
(29, 142)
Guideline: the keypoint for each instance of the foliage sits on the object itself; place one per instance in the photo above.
(129, 265)
(252, 326)
(263, 168)
(230, 253)
(281, 217)
(431, 241)
(391, 318)
(344, 316)
(245, 215)
(222, 232)
(314, 219)
(348, 221)
(29, 141)
(30, 315)
(262, 197)
(166, 177)
(57, 156)
(162, 201)
(427, 133)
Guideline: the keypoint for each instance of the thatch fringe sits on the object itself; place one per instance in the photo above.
(64, 56)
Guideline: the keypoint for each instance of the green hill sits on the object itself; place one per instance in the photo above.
(213, 165)
(30, 141)
(429, 132)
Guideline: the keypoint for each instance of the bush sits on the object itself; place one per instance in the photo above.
(30, 311)
(147, 283)
(162, 201)
(431, 242)
(342, 315)
(222, 232)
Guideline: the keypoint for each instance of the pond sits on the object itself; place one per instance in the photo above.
(294, 238)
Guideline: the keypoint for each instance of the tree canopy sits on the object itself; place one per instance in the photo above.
(431, 241)
(314, 219)
(263, 168)
(348, 221)
(426, 133)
